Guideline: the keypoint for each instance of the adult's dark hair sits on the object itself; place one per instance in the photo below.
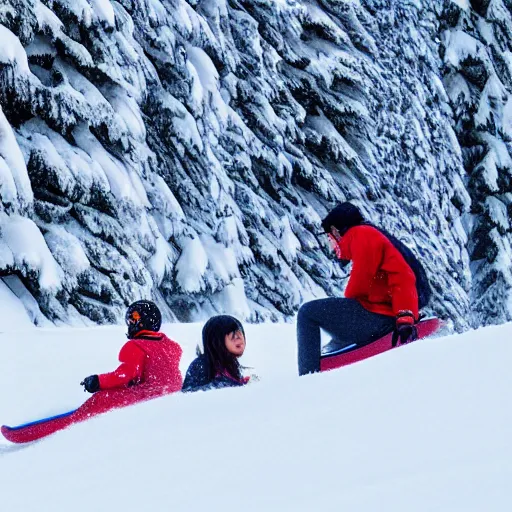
(343, 217)
(217, 355)
(346, 215)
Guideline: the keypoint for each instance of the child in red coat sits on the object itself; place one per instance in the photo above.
(149, 360)
(149, 368)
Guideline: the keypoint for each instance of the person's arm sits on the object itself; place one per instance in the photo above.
(223, 381)
(131, 369)
(404, 295)
(366, 252)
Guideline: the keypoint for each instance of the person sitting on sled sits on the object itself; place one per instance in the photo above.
(218, 367)
(386, 289)
(149, 360)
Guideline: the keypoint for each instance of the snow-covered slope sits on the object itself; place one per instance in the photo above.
(426, 427)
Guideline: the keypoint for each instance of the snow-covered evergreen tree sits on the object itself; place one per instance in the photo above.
(477, 73)
(187, 150)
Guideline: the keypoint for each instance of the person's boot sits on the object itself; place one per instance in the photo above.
(336, 346)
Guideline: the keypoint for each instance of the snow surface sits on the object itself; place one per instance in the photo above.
(14, 180)
(463, 4)
(426, 427)
(29, 249)
(13, 307)
(12, 51)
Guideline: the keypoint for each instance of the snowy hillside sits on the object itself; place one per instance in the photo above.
(186, 151)
(425, 427)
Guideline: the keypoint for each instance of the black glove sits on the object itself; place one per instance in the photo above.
(91, 383)
(405, 330)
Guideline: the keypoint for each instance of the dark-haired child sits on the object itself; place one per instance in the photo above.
(218, 366)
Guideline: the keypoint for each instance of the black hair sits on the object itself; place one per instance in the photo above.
(343, 217)
(219, 359)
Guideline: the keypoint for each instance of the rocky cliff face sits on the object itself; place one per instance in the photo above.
(186, 151)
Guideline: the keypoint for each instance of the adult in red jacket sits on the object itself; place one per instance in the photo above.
(381, 295)
(149, 363)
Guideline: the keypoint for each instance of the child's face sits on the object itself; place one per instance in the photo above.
(235, 343)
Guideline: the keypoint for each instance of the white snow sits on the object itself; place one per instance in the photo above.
(459, 46)
(497, 157)
(208, 85)
(20, 292)
(67, 250)
(82, 9)
(227, 231)
(221, 259)
(493, 94)
(463, 4)
(191, 265)
(162, 260)
(182, 15)
(214, 188)
(47, 19)
(7, 185)
(13, 310)
(85, 171)
(29, 249)
(507, 117)
(197, 93)
(323, 126)
(456, 86)
(14, 181)
(289, 242)
(84, 91)
(43, 147)
(166, 199)
(103, 11)
(12, 51)
(497, 212)
(206, 70)
(127, 112)
(124, 184)
(184, 123)
(232, 299)
(425, 427)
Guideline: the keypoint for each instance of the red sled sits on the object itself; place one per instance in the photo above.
(99, 403)
(355, 353)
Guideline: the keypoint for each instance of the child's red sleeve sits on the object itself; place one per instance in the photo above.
(132, 359)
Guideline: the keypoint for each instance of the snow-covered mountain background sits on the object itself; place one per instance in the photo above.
(187, 150)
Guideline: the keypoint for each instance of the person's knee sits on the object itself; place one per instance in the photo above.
(304, 312)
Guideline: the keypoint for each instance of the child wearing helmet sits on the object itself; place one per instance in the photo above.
(149, 360)
(218, 366)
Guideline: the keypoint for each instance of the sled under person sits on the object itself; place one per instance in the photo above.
(386, 289)
(149, 368)
(218, 366)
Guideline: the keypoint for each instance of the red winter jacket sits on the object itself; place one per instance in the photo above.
(381, 280)
(149, 360)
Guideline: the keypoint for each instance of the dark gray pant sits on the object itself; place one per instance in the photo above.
(343, 319)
